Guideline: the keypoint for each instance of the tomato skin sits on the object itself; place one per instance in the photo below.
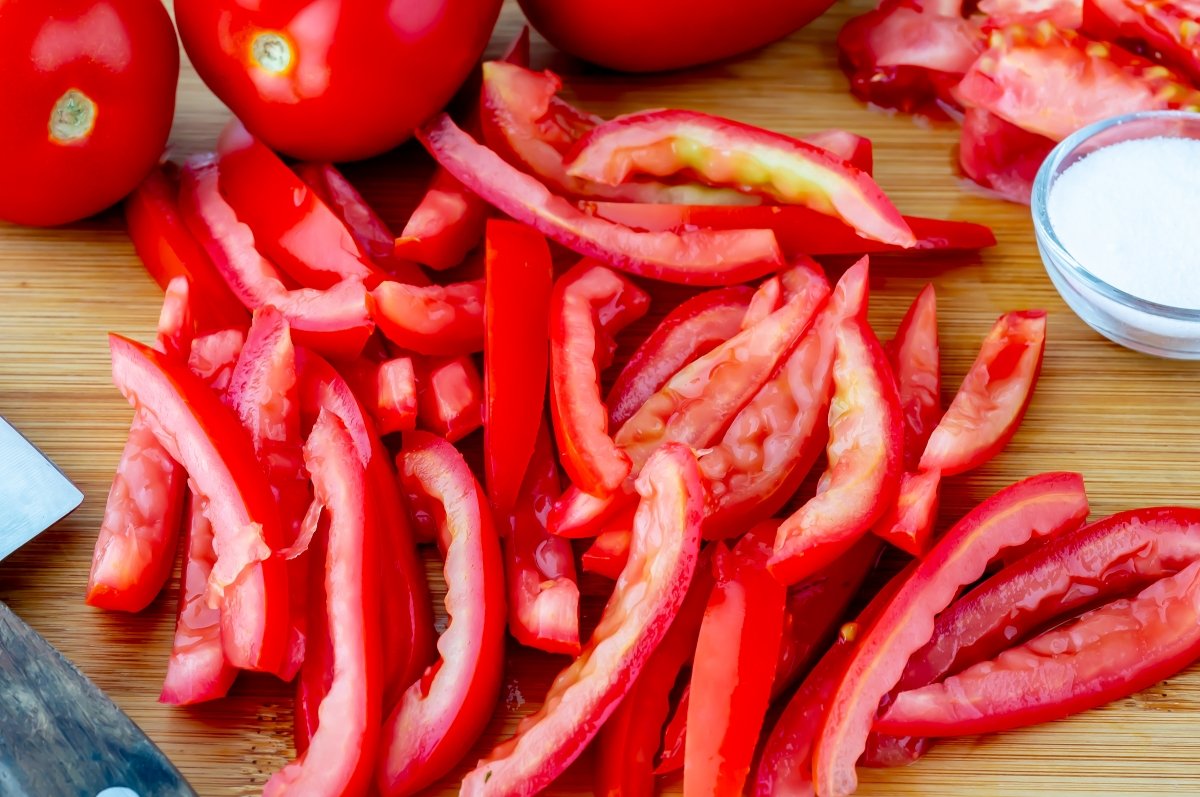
(121, 55)
(361, 75)
(633, 36)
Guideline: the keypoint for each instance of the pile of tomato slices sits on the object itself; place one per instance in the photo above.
(1021, 75)
(295, 427)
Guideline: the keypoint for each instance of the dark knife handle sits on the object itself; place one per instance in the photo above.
(60, 736)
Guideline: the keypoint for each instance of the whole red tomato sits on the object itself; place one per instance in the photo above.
(652, 35)
(87, 89)
(334, 80)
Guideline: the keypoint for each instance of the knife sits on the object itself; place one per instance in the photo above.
(60, 736)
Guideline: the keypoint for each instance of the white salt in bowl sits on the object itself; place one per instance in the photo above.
(1137, 323)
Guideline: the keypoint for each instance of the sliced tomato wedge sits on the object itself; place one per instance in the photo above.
(1052, 82)
(916, 361)
(666, 543)
(991, 401)
(772, 443)
(340, 754)
(530, 127)
(446, 225)
(449, 220)
(168, 250)
(520, 277)
(864, 455)
(337, 321)
(736, 655)
(854, 149)
(1038, 507)
(206, 438)
(799, 230)
(694, 328)
(388, 391)
(449, 396)
(1063, 14)
(291, 224)
(263, 391)
(607, 554)
(1166, 28)
(408, 635)
(702, 257)
(696, 404)
(543, 597)
(197, 670)
(784, 169)
(432, 319)
(135, 547)
(630, 738)
(908, 54)
(440, 716)
(588, 306)
(1104, 655)
(368, 229)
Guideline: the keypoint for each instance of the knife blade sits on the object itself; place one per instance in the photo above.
(60, 736)
(34, 494)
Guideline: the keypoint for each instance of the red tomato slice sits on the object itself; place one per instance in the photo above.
(449, 220)
(520, 277)
(543, 598)
(799, 230)
(666, 542)
(694, 328)
(629, 739)
(908, 523)
(197, 670)
(1106, 654)
(771, 444)
(703, 257)
(1063, 14)
(449, 396)
(991, 401)
(370, 231)
(340, 754)
(263, 392)
(204, 436)
(609, 552)
(1038, 507)
(337, 321)
(752, 160)
(445, 226)
(168, 250)
(864, 458)
(433, 319)
(736, 655)
(916, 361)
(388, 391)
(589, 305)
(135, 547)
(291, 224)
(526, 123)
(1166, 28)
(698, 402)
(441, 715)
(408, 634)
(908, 54)
(1001, 156)
(1053, 82)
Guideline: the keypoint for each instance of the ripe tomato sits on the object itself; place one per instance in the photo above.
(88, 92)
(636, 36)
(334, 80)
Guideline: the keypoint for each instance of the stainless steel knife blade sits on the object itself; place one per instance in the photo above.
(34, 494)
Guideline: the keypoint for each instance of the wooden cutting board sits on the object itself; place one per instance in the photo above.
(1125, 420)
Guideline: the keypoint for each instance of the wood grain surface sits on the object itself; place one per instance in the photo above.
(1127, 421)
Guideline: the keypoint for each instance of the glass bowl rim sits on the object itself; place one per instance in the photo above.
(1058, 257)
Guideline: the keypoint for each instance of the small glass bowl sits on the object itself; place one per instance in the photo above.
(1138, 324)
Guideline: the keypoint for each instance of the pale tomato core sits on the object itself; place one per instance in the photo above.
(72, 118)
(272, 51)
